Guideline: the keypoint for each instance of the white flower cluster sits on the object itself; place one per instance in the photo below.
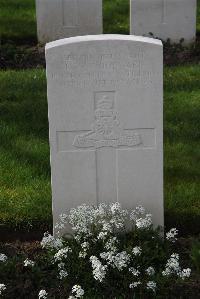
(150, 271)
(134, 271)
(173, 267)
(62, 272)
(171, 235)
(137, 250)
(2, 288)
(111, 244)
(135, 284)
(185, 273)
(118, 260)
(42, 294)
(28, 263)
(140, 218)
(121, 260)
(62, 254)
(50, 242)
(77, 291)
(100, 226)
(85, 246)
(104, 220)
(151, 285)
(99, 270)
(3, 257)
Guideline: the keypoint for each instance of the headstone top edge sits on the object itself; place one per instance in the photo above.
(102, 37)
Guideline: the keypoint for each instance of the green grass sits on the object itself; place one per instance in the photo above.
(116, 16)
(25, 194)
(18, 21)
(182, 145)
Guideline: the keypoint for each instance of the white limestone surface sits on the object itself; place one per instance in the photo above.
(164, 19)
(105, 103)
(58, 19)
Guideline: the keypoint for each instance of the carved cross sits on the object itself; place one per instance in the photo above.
(106, 139)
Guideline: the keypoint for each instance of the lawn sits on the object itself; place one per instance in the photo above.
(25, 193)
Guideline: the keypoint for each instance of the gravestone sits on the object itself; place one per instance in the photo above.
(58, 19)
(164, 19)
(105, 101)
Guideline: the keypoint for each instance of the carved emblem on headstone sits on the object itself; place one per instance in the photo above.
(106, 130)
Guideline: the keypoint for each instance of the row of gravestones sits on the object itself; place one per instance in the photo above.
(164, 19)
(105, 107)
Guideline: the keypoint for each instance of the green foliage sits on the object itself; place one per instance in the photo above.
(195, 254)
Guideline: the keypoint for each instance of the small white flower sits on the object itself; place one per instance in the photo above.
(134, 271)
(63, 274)
(63, 218)
(150, 271)
(137, 250)
(171, 235)
(141, 220)
(146, 222)
(82, 254)
(102, 235)
(49, 241)
(77, 291)
(61, 265)
(185, 273)
(99, 270)
(2, 288)
(151, 285)
(135, 284)
(85, 246)
(28, 263)
(139, 211)
(172, 266)
(111, 244)
(62, 253)
(121, 260)
(42, 294)
(3, 257)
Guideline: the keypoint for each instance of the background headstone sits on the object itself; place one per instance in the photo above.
(105, 99)
(58, 19)
(165, 19)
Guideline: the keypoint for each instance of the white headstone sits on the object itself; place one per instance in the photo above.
(165, 19)
(105, 99)
(58, 19)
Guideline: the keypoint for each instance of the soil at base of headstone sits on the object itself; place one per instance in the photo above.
(26, 56)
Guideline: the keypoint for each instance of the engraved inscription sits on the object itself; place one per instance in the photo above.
(70, 13)
(106, 130)
(104, 69)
